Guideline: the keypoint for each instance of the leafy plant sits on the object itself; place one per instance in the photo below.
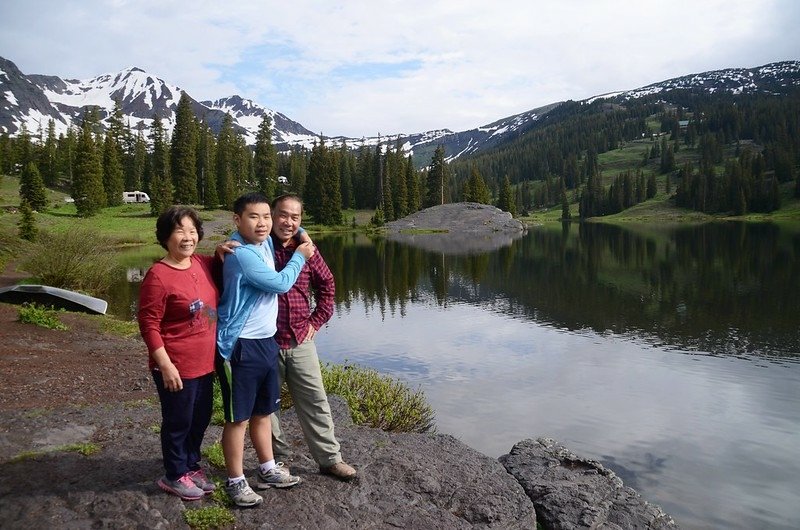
(209, 517)
(46, 317)
(80, 259)
(86, 449)
(121, 328)
(378, 400)
(214, 456)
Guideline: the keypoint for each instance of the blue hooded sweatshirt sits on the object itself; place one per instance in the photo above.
(245, 277)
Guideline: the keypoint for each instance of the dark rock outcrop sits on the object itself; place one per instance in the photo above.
(404, 480)
(570, 492)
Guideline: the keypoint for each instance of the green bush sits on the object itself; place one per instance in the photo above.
(80, 260)
(39, 315)
(214, 455)
(378, 400)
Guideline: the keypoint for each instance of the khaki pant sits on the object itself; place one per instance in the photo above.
(299, 367)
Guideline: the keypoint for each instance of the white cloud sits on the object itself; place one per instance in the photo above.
(458, 64)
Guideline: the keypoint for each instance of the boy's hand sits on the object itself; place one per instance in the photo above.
(226, 247)
(307, 249)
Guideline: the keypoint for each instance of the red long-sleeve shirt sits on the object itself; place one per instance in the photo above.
(178, 310)
(294, 307)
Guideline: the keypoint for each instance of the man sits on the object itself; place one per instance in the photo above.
(247, 358)
(298, 364)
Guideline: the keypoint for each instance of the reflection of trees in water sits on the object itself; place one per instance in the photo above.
(723, 287)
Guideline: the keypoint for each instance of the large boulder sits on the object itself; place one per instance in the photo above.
(571, 492)
(459, 228)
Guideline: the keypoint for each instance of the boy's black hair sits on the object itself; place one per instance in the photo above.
(171, 218)
(254, 197)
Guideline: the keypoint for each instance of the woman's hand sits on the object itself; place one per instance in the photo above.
(172, 379)
(169, 373)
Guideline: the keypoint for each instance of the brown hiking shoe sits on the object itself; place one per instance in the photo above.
(339, 470)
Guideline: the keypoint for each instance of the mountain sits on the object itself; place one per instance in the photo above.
(35, 99)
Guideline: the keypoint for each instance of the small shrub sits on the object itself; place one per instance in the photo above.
(209, 517)
(379, 401)
(39, 315)
(26, 455)
(86, 449)
(81, 260)
(120, 328)
(220, 496)
(214, 455)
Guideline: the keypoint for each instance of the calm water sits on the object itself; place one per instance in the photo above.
(672, 355)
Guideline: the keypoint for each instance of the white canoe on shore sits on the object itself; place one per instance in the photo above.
(53, 296)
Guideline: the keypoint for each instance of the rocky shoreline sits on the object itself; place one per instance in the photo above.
(405, 480)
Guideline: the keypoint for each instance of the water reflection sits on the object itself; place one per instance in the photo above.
(724, 289)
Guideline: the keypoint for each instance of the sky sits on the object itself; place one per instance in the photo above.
(362, 68)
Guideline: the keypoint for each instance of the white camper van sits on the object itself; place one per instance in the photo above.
(135, 196)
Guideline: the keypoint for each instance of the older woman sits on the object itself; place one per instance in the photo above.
(178, 321)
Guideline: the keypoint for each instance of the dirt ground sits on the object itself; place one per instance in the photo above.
(45, 369)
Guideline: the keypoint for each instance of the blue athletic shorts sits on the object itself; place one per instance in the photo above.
(249, 379)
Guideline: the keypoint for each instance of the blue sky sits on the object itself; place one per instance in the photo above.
(360, 68)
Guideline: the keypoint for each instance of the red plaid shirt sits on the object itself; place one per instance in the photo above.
(294, 307)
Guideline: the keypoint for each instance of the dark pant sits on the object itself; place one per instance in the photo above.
(185, 415)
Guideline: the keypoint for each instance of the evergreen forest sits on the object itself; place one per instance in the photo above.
(728, 154)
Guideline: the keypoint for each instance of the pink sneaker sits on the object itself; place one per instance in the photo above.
(200, 480)
(183, 488)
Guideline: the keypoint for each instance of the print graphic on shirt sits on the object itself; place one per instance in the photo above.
(196, 306)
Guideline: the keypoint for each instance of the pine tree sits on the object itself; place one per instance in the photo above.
(386, 187)
(478, 191)
(399, 185)
(312, 198)
(506, 199)
(134, 177)
(112, 172)
(87, 181)
(183, 153)
(226, 152)
(652, 187)
(160, 182)
(67, 148)
(207, 168)
(159, 159)
(31, 188)
(50, 156)
(24, 148)
(265, 161)
(347, 168)
(27, 222)
(437, 179)
(412, 182)
(565, 215)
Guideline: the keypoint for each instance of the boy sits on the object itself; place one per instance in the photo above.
(247, 358)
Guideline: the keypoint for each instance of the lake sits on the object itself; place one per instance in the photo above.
(671, 354)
